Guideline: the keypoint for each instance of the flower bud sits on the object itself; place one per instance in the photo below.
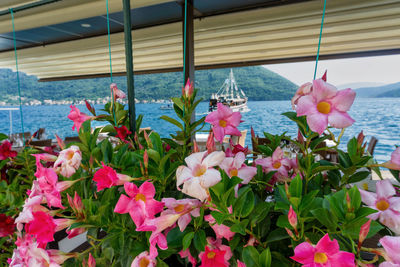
(324, 76)
(292, 217)
(90, 108)
(300, 138)
(348, 202)
(146, 160)
(60, 142)
(187, 91)
(91, 261)
(210, 143)
(148, 141)
(363, 233)
(290, 233)
(195, 147)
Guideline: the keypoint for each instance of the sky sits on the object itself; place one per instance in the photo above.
(380, 70)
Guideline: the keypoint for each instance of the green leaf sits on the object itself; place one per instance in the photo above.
(218, 216)
(296, 186)
(238, 228)
(3, 137)
(359, 176)
(265, 258)
(277, 235)
(199, 240)
(108, 253)
(244, 204)
(326, 218)
(250, 256)
(352, 147)
(187, 240)
(173, 121)
(107, 150)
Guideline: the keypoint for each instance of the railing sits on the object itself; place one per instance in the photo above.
(10, 109)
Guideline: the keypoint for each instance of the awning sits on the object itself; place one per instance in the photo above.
(226, 33)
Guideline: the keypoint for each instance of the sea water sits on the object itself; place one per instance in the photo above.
(379, 117)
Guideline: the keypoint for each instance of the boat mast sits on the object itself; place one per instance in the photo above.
(232, 82)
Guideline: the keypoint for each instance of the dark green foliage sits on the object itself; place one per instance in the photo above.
(257, 82)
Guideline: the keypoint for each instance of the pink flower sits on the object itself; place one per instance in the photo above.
(276, 163)
(144, 260)
(42, 227)
(187, 91)
(122, 132)
(224, 121)
(157, 226)
(213, 258)
(31, 205)
(199, 174)
(140, 204)
(216, 244)
(5, 150)
(326, 105)
(117, 93)
(68, 161)
(186, 254)
(234, 166)
(76, 204)
(221, 230)
(7, 225)
(235, 149)
(325, 253)
(394, 162)
(303, 90)
(106, 177)
(387, 206)
(45, 157)
(77, 117)
(391, 244)
(185, 207)
(292, 217)
(240, 264)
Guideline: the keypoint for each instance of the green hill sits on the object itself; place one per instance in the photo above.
(257, 82)
(389, 90)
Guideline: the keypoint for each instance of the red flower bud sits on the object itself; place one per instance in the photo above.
(292, 217)
(363, 233)
(324, 76)
(195, 147)
(210, 143)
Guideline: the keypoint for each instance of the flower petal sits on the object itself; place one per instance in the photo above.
(235, 119)
(384, 189)
(340, 119)
(328, 246)
(368, 198)
(210, 178)
(247, 173)
(323, 90)
(344, 99)
(317, 122)
(219, 133)
(214, 159)
(193, 189)
(224, 110)
(391, 245)
(306, 105)
(183, 173)
(194, 159)
(231, 130)
(304, 253)
(147, 189)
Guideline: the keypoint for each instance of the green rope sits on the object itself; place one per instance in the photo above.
(184, 45)
(109, 53)
(319, 41)
(18, 81)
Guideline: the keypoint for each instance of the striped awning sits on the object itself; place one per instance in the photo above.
(258, 35)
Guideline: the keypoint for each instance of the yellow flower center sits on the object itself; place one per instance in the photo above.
(324, 107)
(69, 155)
(365, 186)
(320, 257)
(277, 165)
(222, 123)
(211, 255)
(179, 208)
(382, 205)
(140, 197)
(199, 171)
(233, 172)
(144, 262)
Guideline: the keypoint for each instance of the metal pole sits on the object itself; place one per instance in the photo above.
(10, 121)
(188, 43)
(129, 64)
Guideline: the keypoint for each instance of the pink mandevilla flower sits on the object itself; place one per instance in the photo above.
(144, 260)
(42, 227)
(221, 230)
(325, 253)
(277, 163)
(5, 151)
(391, 244)
(394, 162)
(199, 174)
(139, 203)
(117, 93)
(186, 254)
(234, 166)
(107, 177)
(186, 207)
(325, 104)
(222, 254)
(387, 206)
(68, 161)
(303, 90)
(77, 117)
(224, 122)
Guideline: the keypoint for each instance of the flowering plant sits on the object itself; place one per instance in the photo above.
(141, 200)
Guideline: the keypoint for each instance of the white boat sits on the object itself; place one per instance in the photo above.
(230, 95)
(169, 106)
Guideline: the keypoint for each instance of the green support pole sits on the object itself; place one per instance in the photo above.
(129, 64)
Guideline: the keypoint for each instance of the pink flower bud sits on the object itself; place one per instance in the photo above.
(210, 143)
(187, 91)
(290, 233)
(300, 138)
(91, 261)
(364, 232)
(60, 142)
(195, 147)
(90, 108)
(360, 138)
(253, 135)
(292, 217)
(148, 141)
(348, 201)
(146, 160)
(324, 76)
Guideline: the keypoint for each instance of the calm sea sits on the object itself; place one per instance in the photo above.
(376, 117)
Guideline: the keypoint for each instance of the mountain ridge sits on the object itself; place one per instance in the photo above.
(379, 91)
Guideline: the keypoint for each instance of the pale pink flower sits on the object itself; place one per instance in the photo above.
(277, 163)
(199, 174)
(326, 105)
(157, 226)
(234, 166)
(186, 254)
(139, 203)
(68, 161)
(303, 90)
(144, 260)
(186, 207)
(394, 162)
(106, 177)
(224, 122)
(117, 93)
(387, 206)
(42, 227)
(391, 244)
(221, 230)
(6, 152)
(325, 253)
(78, 117)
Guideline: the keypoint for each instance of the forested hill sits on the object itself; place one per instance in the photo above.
(257, 82)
